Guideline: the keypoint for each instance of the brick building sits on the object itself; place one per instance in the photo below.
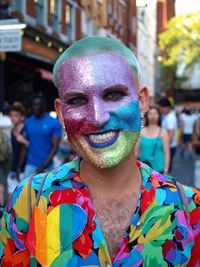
(51, 26)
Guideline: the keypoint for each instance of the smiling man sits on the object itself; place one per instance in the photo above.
(105, 208)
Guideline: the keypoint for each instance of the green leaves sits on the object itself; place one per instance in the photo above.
(181, 41)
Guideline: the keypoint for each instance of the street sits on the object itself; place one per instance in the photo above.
(183, 169)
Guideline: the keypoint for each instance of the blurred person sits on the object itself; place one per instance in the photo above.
(196, 136)
(5, 152)
(170, 124)
(187, 120)
(43, 134)
(17, 116)
(63, 154)
(196, 146)
(104, 208)
(153, 144)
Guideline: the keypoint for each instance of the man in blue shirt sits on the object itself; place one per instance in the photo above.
(43, 133)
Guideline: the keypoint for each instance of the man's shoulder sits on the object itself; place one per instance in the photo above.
(52, 121)
(29, 120)
(50, 118)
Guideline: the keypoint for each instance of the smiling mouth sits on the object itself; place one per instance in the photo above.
(101, 140)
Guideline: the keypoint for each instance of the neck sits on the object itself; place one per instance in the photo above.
(39, 116)
(153, 126)
(122, 178)
(18, 126)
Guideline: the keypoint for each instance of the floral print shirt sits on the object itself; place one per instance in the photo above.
(64, 230)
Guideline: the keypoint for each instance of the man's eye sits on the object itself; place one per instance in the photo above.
(77, 101)
(114, 96)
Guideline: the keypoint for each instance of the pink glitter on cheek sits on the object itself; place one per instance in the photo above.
(76, 129)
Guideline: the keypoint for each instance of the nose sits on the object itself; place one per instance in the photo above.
(99, 115)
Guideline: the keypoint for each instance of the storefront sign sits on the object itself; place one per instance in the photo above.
(10, 40)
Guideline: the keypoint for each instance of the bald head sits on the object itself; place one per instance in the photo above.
(93, 46)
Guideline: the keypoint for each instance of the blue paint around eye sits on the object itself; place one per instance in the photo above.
(125, 118)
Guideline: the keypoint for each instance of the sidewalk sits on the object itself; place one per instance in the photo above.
(183, 169)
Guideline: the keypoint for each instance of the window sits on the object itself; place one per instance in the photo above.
(52, 6)
(67, 14)
(39, 4)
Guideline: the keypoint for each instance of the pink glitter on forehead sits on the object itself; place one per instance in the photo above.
(92, 73)
(75, 74)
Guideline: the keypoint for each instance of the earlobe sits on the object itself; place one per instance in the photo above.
(58, 108)
(144, 99)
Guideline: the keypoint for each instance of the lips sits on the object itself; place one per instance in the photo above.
(101, 140)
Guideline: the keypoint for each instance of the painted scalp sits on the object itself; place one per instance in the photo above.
(95, 45)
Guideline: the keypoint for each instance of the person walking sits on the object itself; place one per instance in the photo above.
(153, 144)
(43, 133)
(17, 116)
(170, 124)
(187, 125)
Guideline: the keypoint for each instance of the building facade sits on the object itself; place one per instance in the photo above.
(146, 43)
(51, 26)
(152, 18)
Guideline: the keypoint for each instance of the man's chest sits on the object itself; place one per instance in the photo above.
(114, 219)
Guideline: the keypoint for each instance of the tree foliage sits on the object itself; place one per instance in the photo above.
(181, 41)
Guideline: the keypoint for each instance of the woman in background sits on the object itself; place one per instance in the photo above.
(153, 145)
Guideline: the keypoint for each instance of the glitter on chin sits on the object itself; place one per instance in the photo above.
(110, 156)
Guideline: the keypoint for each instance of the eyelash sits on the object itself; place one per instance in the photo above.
(77, 101)
(114, 95)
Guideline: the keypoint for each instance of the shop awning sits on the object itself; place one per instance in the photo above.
(46, 75)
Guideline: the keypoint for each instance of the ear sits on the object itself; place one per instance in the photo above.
(58, 108)
(143, 99)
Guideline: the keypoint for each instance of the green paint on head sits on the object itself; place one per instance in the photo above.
(92, 46)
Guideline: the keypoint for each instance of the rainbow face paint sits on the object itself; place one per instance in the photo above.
(100, 107)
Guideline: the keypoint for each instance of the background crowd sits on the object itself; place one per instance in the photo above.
(36, 142)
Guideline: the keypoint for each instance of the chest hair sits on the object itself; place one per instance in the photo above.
(114, 216)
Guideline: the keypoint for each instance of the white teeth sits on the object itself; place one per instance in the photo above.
(101, 138)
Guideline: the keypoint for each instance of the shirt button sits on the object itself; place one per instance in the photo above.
(138, 224)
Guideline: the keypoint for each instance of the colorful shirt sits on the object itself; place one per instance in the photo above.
(64, 230)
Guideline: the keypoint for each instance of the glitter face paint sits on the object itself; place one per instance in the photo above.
(100, 107)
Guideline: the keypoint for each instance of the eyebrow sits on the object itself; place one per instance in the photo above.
(121, 87)
(69, 95)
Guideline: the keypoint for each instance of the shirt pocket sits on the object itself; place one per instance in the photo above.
(49, 235)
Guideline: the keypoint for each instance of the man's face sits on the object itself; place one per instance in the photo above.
(164, 110)
(16, 117)
(38, 106)
(100, 107)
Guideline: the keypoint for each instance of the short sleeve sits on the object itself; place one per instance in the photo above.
(171, 123)
(57, 128)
